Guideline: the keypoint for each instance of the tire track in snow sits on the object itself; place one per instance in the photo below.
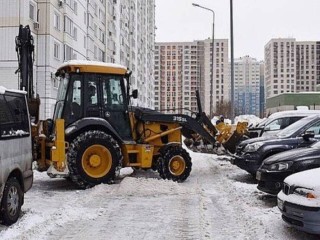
(222, 216)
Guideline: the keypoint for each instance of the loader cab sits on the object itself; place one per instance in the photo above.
(94, 90)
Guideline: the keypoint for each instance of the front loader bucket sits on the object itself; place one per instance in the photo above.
(232, 142)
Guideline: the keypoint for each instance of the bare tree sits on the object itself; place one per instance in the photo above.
(223, 108)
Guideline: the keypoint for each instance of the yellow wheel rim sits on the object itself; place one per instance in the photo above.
(177, 165)
(96, 161)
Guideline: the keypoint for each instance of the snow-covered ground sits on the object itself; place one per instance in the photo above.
(217, 201)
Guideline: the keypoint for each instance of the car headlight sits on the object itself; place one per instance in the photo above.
(280, 166)
(253, 147)
(308, 193)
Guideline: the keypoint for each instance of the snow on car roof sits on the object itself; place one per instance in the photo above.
(4, 89)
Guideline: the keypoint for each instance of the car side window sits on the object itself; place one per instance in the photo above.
(273, 126)
(278, 124)
(294, 119)
(13, 116)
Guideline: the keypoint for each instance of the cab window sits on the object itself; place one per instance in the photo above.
(73, 109)
(112, 93)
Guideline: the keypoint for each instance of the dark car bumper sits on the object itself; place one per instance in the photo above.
(301, 217)
(248, 162)
(270, 182)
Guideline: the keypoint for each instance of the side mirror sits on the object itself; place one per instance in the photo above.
(134, 94)
(307, 135)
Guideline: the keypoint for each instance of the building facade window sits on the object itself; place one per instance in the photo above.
(56, 21)
(102, 56)
(56, 50)
(68, 53)
(101, 35)
(68, 25)
(32, 11)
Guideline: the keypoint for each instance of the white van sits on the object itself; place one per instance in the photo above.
(278, 121)
(16, 176)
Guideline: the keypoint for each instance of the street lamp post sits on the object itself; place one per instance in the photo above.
(232, 60)
(212, 57)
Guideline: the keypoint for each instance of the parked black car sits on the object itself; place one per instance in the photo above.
(250, 153)
(276, 168)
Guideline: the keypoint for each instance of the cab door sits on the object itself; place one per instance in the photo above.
(114, 107)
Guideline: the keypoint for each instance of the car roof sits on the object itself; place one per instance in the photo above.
(3, 90)
(293, 113)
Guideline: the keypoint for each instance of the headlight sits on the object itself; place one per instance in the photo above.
(253, 147)
(280, 166)
(308, 193)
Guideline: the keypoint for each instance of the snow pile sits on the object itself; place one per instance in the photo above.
(251, 119)
(216, 118)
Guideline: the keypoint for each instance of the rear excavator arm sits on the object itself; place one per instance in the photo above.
(25, 54)
(41, 143)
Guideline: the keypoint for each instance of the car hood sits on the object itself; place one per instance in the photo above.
(307, 179)
(293, 155)
(258, 139)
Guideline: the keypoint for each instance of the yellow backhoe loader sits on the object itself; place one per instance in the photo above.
(95, 131)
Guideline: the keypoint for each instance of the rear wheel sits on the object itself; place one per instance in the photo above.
(93, 158)
(175, 164)
(11, 201)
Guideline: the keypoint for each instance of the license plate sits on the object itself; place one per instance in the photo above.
(280, 204)
(258, 176)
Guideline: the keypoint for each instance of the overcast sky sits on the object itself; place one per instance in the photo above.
(255, 22)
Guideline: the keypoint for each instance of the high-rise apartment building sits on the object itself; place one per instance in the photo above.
(291, 66)
(181, 68)
(118, 31)
(247, 86)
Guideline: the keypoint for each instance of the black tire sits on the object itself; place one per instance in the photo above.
(11, 202)
(93, 158)
(175, 164)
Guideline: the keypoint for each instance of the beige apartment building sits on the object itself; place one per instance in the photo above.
(118, 31)
(291, 66)
(181, 68)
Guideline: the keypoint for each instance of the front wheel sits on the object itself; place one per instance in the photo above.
(93, 158)
(11, 201)
(175, 164)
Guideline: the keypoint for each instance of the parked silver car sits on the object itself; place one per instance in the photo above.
(299, 201)
(16, 176)
(278, 121)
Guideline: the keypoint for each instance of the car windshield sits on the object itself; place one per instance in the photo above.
(263, 122)
(293, 128)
